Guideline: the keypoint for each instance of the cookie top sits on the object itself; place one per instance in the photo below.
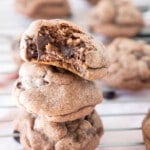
(116, 15)
(51, 91)
(80, 134)
(61, 43)
(129, 64)
(43, 8)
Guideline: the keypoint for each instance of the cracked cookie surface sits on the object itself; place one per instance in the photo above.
(37, 133)
(60, 43)
(114, 18)
(129, 64)
(57, 93)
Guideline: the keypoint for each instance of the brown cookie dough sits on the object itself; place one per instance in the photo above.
(43, 9)
(36, 133)
(129, 64)
(62, 44)
(146, 131)
(61, 95)
(93, 2)
(113, 18)
(16, 51)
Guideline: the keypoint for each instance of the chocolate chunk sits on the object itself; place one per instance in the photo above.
(19, 85)
(16, 137)
(75, 138)
(32, 51)
(138, 54)
(67, 51)
(41, 42)
(109, 95)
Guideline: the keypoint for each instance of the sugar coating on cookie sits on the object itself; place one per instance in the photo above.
(43, 9)
(146, 131)
(63, 44)
(51, 91)
(81, 134)
(129, 64)
(114, 18)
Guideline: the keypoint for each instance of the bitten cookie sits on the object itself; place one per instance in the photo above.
(146, 131)
(129, 64)
(61, 95)
(113, 18)
(43, 9)
(62, 44)
(16, 51)
(81, 134)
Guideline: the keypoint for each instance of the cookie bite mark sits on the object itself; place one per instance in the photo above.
(61, 44)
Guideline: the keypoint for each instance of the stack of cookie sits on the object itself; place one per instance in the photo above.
(55, 89)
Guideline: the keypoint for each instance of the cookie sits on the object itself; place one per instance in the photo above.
(113, 18)
(15, 46)
(146, 131)
(61, 43)
(93, 2)
(43, 9)
(36, 133)
(129, 64)
(61, 95)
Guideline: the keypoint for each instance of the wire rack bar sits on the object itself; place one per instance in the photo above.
(122, 144)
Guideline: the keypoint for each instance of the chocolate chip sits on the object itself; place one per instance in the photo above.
(67, 51)
(109, 95)
(75, 138)
(19, 85)
(32, 51)
(16, 137)
(138, 54)
(42, 41)
(91, 131)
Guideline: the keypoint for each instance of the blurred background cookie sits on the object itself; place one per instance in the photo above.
(43, 9)
(93, 2)
(113, 18)
(129, 64)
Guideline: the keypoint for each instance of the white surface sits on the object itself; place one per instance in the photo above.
(134, 104)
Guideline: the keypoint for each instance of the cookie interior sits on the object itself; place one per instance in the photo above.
(59, 45)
